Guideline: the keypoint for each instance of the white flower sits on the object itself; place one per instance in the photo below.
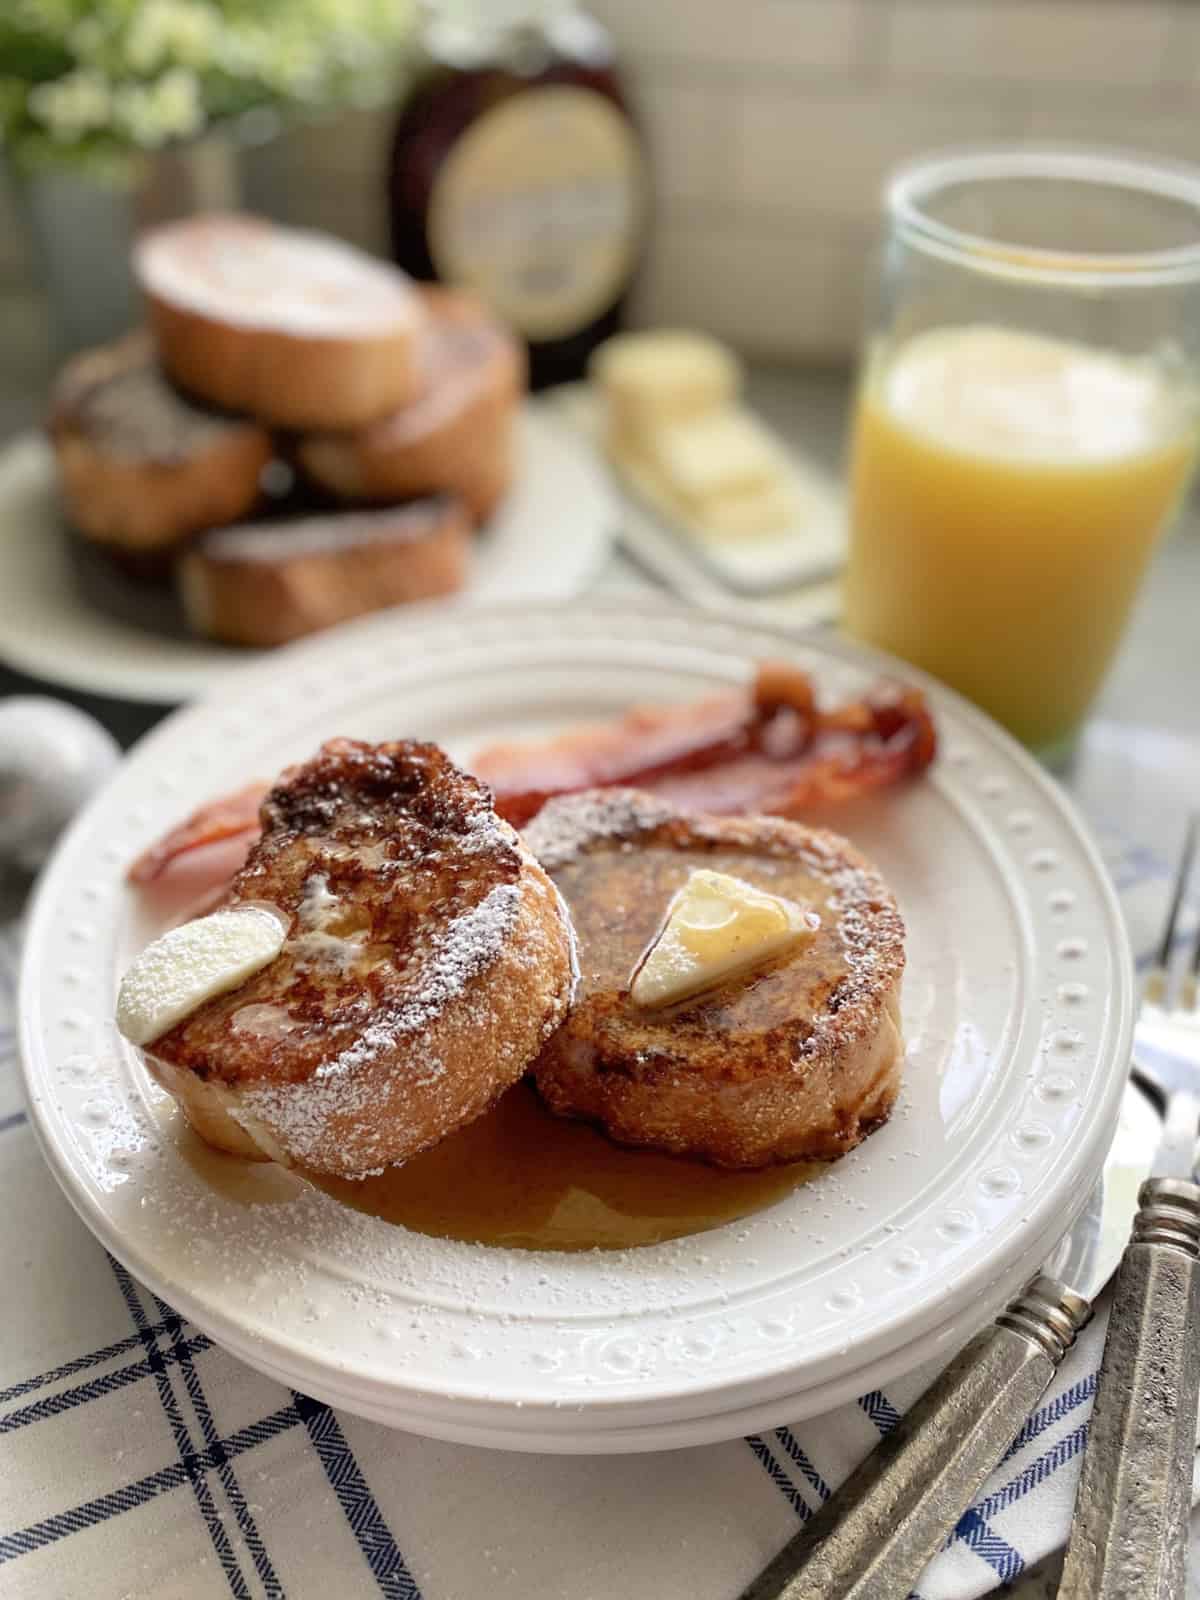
(144, 72)
(193, 34)
(74, 104)
(243, 52)
(133, 114)
(144, 42)
(182, 31)
(155, 113)
(178, 103)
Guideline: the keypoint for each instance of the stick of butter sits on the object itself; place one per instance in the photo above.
(654, 377)
(717, 926)
(674, 429)
(722, 452)
(176, 974)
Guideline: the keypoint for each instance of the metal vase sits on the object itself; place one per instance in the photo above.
(82, 229)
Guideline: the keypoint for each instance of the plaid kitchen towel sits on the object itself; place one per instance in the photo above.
(137, 1458)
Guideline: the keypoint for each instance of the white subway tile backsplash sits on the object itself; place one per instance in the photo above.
(687, 128)
(1117, 127)
(778, 34)
(799, 152)
(1097, 42)
(777, 294)
(1183, 52)
(772, 124)
(357, 141)
(314, 177)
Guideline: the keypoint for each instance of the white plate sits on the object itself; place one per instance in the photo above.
(548, 539)
(1017, 1008)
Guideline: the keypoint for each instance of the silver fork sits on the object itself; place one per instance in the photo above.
(1166, 1045)
(1128, 1538)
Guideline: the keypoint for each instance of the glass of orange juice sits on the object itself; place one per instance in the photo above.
(1026, 422)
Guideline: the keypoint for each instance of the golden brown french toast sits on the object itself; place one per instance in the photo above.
(456, 434)
(141, 468)
(799, 1057)
(265, 583)
(299, 329)
(427, 957)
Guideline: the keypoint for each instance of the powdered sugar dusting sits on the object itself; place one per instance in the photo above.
(467, 948)
(318, 903)
(543, 886)
(871, 933)
(248, 272)
(349, 1085)
(135, 415)
(869, 928)
(340, 530)
(566, 827)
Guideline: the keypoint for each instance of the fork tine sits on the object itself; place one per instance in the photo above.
(1163, 959)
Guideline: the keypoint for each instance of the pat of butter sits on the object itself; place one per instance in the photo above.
(654, 377)
(717, 926)
(176, 974)
(723, 452)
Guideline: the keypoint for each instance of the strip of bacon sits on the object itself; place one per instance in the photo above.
(647, 743)
(219, 819)
(765, 748)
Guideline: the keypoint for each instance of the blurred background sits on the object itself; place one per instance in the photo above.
(701, 165)
(769, 125)
(773, 122)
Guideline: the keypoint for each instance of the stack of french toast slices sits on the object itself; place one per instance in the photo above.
(299, 435)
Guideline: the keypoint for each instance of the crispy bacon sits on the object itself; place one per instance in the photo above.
(649, 742)
(766, 748)
(220, 819)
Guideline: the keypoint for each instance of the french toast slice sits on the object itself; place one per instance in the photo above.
(299, 329)
(141, 468)
(799, 1058)
(266, 583)
(427, 958)
(456, 434)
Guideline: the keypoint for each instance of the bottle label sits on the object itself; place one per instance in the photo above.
(539, 207)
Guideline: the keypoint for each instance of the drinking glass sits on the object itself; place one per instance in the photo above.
(1026, 420)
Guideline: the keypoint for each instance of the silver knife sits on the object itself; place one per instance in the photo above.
(874, 1536)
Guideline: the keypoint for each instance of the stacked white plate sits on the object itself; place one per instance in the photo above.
(1017, 1012)
(550, 536)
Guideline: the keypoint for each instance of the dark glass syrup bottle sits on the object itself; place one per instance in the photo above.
(517, 171)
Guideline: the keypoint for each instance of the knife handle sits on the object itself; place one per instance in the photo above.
(872, 1539)
(1129, 1536)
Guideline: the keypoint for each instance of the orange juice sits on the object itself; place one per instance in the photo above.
(1007, 492)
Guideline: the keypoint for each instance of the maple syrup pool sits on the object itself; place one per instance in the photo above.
(523, 1178)
(528, 1181)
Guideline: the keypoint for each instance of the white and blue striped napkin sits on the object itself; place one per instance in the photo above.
(137, 1458)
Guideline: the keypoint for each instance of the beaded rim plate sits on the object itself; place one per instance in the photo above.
(551, 534)
(1017, 1015)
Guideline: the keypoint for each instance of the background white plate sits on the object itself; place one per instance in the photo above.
(1017, 1013)
(549, 537)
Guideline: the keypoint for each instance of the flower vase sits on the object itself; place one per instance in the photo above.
(82, 228)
